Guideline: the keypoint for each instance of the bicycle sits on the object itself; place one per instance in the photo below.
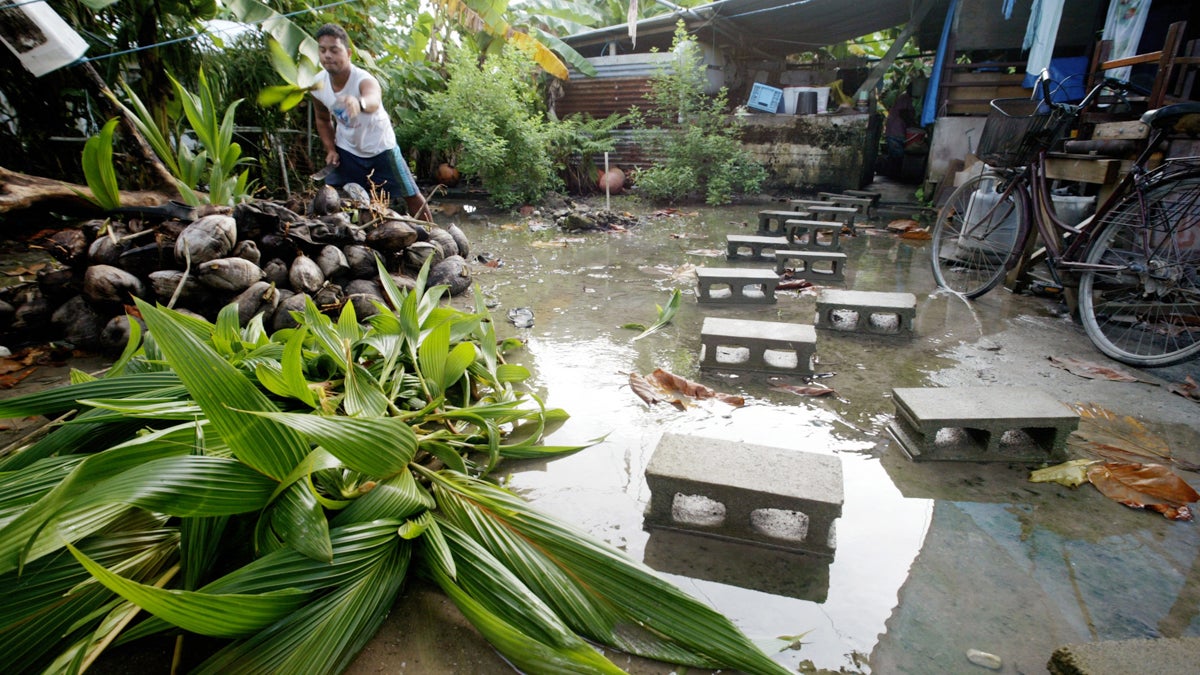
(1136, 258)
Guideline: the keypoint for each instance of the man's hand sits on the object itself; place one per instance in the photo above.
(331, 158)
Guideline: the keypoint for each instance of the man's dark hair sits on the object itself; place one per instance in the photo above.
(336, 31)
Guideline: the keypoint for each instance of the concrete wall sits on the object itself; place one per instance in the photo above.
(814, 152)
(953, 138)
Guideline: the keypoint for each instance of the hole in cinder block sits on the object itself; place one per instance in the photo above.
(777, 358)
(733, 355)
(780, 524)
(697, 510)
(961, 438)
(843, 319)
(1026, 440)
(720, 291)
(754, 291)
(885, 322)
(831, 540)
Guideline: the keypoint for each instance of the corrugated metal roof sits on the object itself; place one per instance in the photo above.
(766, 27)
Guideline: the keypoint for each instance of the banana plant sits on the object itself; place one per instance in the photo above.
(274, 492)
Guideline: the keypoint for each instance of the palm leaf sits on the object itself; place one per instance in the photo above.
(380, 446)
(325, 635)
(525, 630)
(598, 591)
(222, 390)
(61, 399)
(233, 615)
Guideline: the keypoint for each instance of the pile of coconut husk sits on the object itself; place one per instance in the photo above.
(263, 255)
(575, 217)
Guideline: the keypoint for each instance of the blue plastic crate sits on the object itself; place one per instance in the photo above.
(764, 98)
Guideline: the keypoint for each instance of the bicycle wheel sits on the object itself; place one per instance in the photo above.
(1147, 313)
(978, 234)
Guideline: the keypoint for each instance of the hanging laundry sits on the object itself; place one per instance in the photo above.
(1124, 24)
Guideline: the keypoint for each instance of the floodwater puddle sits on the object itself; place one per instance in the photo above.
(931, 560)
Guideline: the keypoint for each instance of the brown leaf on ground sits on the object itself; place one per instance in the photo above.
(663, 386)
(706, 252)
(903, 225)
(25, 269)
(10, 381)
(794, 285)
(1094, 371)
(1145, 486)
(805, 390)
(646, 391)
(919, 234)
(1106, 435)
(1187, 389)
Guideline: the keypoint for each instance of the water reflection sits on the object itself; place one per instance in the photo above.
(931, 560)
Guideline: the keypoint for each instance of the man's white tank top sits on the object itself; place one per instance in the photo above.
(368, 134)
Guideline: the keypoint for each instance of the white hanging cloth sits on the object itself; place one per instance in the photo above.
(1041, 33)
(1126, 19)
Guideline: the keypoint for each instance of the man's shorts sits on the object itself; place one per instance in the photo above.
(386, 171)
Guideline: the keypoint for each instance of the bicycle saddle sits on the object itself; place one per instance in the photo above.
(1180, 118)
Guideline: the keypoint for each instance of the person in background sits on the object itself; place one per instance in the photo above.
(900, 117)
(360, 143)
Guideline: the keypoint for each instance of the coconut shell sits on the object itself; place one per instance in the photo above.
(305, 275)
(332, 262)
(78, 323)
(416, 255)
(247, 250)
(361, 260)
(231, 275)
(365, 305)
(116, 333)
(260, 297)
(460, 239)
(104, 251)
(330, 296)
(283, 313)
(357, 195)
(69, 246)
(453, 272)
(391, 236)
(326, 201)
(209, 238)
(277, 273)
(32, 314)
(444, 239)
(164, 283)
(105, 283)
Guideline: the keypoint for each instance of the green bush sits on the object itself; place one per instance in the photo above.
(489, 119)
(701, 149)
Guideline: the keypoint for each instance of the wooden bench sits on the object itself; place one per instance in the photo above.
(730, 284)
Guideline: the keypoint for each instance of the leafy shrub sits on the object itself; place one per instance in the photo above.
(490, 119)
(701, 149)
(575, 144)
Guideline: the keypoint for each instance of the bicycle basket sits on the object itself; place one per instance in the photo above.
(1015, 129)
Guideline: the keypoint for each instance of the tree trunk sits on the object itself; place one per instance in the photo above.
(21, 191)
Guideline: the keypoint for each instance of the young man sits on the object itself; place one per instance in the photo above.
(355, 129)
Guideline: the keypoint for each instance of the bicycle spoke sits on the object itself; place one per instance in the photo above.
(977, 235)
(1147, 312)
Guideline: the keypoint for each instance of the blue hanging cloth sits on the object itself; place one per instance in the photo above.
(1007, 9)
(929, 107)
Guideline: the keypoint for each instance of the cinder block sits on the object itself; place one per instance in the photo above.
(762, 346)
(815, 266)
(772, 223)
(813, 235)
(866, 312)
(981, 424)
(752, 248)
(771, 496)
(735, 285)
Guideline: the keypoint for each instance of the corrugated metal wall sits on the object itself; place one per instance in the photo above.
(621, 82)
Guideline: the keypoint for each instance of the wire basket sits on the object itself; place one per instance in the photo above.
(1016, 129)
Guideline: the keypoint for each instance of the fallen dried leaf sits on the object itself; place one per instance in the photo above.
(903, 225)
(512, 226)
(919, 234)
(1093, 371)
(1106, 435)
(1187, 389)
(10, 381)
(557, 243)
(805, 390)
(1071, 474)
(793, 285)
(706, 252)
(1145, 486)
(663, 386)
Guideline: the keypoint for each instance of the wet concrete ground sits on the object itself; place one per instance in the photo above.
(932, 559)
